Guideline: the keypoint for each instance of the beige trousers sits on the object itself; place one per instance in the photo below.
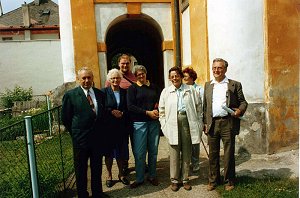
(180, 155)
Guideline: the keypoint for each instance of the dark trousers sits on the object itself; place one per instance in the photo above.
(221, 130)
(81, 157)
(125, 162)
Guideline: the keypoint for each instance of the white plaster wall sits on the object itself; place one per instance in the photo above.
(35, 64)
(105, 14)
(162, 14)
(66, 35)
(103, 67)
(235, 31)
(186, 38)
(168, 64)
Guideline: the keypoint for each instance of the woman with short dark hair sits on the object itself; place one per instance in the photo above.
(142, 101)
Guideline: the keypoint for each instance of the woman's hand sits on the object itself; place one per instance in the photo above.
(153, 114)
(117, 113)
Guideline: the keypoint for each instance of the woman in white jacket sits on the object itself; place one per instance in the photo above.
(180, 116)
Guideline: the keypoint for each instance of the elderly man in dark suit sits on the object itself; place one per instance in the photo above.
(82, 114)
(221, 125)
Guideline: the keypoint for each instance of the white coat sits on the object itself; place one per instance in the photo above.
(168, 113)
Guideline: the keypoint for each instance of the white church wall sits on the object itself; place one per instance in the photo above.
(35, 64)
(66, 35)
(237, 35)
(103, 67)
(186, 38)
(105, 14)
(161, 13)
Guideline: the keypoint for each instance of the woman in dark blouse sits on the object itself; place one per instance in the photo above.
(142, 102)
(118, 126)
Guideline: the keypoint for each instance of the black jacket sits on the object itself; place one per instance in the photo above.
(85, 128)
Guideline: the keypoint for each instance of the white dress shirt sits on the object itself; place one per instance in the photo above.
(219, 97)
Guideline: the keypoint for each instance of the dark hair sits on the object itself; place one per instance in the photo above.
(191, 72)
(177, 70)
(221, 60)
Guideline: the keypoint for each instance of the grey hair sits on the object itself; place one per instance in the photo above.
(221, 60)
(137, 68)
(113, 71)
(84, 68)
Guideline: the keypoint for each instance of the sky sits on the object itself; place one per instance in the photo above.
(9, 5)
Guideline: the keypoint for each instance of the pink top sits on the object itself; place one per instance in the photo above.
(124, 83)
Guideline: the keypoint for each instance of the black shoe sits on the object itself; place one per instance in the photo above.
(125, 171)
(135, 184)
(153, 181)
(103, 195)
(109, 183)
(124, 180)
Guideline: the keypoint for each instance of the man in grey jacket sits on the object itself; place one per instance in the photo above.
(221, 125)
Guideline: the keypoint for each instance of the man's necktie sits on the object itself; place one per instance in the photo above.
(90, 101)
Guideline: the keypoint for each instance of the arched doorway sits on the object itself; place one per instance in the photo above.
(140, 37)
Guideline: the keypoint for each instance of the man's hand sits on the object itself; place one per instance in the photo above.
(236, 113)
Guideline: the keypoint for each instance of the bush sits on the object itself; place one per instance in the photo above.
(18, 94)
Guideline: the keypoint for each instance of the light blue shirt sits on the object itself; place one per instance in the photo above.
(117, 96)
(180, 104)
(200, 90)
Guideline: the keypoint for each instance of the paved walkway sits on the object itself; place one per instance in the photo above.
(198, 181)
(284, 164)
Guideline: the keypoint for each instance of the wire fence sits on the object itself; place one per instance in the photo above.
(14, 175)
(53, 156)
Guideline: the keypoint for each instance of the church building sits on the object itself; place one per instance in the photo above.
(259, 39)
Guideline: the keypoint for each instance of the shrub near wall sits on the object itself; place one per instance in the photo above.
(17, 94)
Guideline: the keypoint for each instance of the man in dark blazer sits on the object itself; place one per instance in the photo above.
(83, 115)
(221, 125)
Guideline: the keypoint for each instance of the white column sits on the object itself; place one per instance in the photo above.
(103, 67)
(66, 37)
(168, 64)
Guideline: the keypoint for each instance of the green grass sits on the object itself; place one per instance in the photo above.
(14, 174)
(248, 187)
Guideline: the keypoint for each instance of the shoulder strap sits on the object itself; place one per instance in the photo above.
(128, 79)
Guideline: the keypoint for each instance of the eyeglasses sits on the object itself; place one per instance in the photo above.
(218, 68)
(115, 78)
(174, 77)
(140, 74)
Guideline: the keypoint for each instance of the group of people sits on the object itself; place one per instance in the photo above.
(101, 121)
